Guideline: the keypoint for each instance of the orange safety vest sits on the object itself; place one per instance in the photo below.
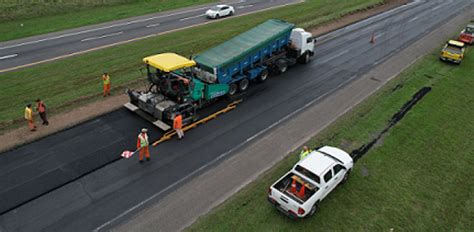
(106, 79)
(40, 107)
(178, 122)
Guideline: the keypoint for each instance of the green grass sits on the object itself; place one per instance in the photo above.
(27, 18)
(420, 177)
(72, 80)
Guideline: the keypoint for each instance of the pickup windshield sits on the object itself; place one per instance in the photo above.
(470, 30)
(296, 188)
(308, 174)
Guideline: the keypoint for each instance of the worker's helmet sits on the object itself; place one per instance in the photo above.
(144, 130)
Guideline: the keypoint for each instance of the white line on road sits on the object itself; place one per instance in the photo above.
(102, 36)
(413, 19)
(335, 56)
(379, 34)
(192, 17)
(245, 6)
(153, 25)
(173, 185)
(8, 56)
(101, 28)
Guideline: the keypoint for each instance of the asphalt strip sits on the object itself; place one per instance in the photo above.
(362, 150)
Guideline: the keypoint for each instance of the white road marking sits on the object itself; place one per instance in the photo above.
(153, 25)
(8, 56)
(335, 56)
(436, 7)
(192, 17)
(379, 34)
(101, 28)
(192, 174)
(102, 36)
(245, 6)
(413, 19)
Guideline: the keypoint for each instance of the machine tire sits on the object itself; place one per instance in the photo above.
(231, 13)
(217, 16)
(243, 85)
(314, 209)
(263, 76)
(232, 89)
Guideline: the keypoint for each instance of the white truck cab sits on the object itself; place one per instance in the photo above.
(303, 42)
(299, 192)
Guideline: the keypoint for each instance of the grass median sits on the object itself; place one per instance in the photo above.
(28, 18)
(71, 82)
(419, 175)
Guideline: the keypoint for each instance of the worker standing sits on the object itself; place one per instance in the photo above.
(305, 152)
(29, 117)
(177, 125)
(41, 108)
(106, 81)
(142, 145)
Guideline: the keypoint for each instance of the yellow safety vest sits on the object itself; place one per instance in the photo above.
(303, 154)
(143, 140)
(28, 114)
(106, 79)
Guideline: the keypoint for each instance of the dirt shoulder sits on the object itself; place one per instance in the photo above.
(58, 122)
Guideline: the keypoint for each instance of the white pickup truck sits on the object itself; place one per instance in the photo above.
(299, 192)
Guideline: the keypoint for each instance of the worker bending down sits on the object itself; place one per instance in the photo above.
(177, 125)
(305, 152)
(142, 145)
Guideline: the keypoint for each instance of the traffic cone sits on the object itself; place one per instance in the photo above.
(372, 38)
(302, 191)
(293, 186)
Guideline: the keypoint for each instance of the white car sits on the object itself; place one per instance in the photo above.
(300, 191)
(220, 11)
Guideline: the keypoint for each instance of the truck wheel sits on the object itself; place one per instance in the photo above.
(263, 76)
(243, 84)
(314, 209)
(283, 68)
(232, 89)
(305, 58)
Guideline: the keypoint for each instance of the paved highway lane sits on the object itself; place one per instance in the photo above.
(111, 193)
(26, 52)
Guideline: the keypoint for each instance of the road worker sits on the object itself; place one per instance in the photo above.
(29, 117)
(305, 152)
(106, 81)
(41, 108)
(177, 125)
(142, 144)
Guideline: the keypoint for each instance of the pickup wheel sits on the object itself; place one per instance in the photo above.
(283, 68)
(346, 176)
(232, 89)
(314, 209)
(217, 16)
(243, 84)
(263, 76)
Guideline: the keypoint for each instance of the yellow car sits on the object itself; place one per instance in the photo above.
(453, 51)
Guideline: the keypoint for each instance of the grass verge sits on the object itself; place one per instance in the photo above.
(62, 83)
(28, 18)
(419, 176)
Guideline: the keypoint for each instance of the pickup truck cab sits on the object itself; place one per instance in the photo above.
(300, 191)
(467, 35)
(453, 51)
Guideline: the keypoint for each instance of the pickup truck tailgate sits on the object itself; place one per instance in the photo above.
(283, 203)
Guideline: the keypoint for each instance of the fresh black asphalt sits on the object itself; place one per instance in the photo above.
(102, 189)
(40, 48)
